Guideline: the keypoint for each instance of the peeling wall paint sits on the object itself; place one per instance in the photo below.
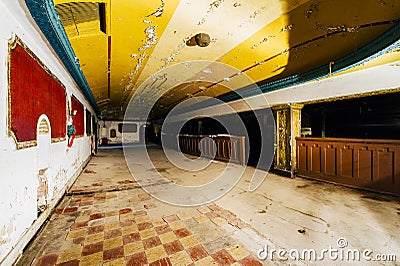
(25, 174)
(150, 40)
(312, 10)
(252, 16)
(265, 39)
(212, 7)
(20, 198)
(175, 53)
(159, 11)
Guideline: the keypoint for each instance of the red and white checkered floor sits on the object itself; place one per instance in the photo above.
(99, 234)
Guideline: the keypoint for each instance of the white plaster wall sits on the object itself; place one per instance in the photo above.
(18, 168)
(126, 137)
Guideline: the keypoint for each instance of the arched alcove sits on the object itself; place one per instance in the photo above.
(43, 161)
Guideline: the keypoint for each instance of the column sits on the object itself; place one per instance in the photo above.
(288, 127)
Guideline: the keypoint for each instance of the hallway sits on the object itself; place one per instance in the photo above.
(106, 218)
(306, 89)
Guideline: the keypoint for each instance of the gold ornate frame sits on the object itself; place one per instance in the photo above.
(12, 44)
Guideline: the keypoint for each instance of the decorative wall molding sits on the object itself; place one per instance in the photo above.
(26, 109)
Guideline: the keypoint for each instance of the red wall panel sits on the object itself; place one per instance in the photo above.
(78, 119)
(33, 92)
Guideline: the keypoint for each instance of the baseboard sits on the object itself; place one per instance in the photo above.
(281, 172)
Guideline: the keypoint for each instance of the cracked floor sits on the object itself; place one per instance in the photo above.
(106, 218)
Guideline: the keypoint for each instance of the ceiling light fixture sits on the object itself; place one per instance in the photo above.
(200, 39)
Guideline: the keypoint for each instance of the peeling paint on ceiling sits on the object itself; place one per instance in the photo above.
(265, 41)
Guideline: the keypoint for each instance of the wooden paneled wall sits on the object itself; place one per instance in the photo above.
(371, 164)
(226, 147)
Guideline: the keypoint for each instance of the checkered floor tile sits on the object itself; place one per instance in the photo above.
(131, 237)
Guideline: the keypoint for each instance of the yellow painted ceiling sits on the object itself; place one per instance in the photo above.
(137, 48)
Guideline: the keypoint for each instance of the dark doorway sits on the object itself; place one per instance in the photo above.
(252, 121)
(373, 117)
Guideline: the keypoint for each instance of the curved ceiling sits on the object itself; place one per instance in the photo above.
(123, 44)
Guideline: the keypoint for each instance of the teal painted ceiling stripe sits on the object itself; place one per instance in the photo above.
(384, 43)
(46, 17)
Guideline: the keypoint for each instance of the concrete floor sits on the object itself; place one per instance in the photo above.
(108, 219)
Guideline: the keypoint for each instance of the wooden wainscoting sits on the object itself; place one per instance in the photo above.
(228, 148)
(365, 163)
